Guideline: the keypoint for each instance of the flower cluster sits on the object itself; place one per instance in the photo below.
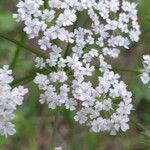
(145, 76)
(112, 24)
(81, 80)
(9, 99)
(103, 105)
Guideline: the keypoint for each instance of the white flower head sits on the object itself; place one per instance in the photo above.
(79, 60)
(104, 107)
(10, 98)
(112, 24)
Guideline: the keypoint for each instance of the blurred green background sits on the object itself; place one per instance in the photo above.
(39, 128)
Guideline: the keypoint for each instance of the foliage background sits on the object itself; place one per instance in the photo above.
(39, 128)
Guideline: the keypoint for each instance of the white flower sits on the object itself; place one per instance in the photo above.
(114, 52)
(39, 63)
(33, 27)
(145, 72)
(10, 98)
(59, 76)
(145, 78)
(83, 81)
(48, 15)
(95, 105)
(119, 122)
(60, 21)
(67, 18)
(42, 80)
(44, 43)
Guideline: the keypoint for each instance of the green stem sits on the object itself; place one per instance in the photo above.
(66, 50)
(68, 47)
(29, 78)
(120, 69)
(30, 49)
(23, 81)
(17, 52)
(126, 70)
(46, 4)
(55, 128)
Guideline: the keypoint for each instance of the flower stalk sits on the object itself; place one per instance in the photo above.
(28, 48)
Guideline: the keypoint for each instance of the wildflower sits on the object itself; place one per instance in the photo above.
(106, 29)
(145, 72)
(104, 106)
(10, 98)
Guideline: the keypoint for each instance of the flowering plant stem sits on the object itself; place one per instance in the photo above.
(29, 78)
(46, 4)
(126, 70)
(28, 48)
(17, 52)
(66, 51)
